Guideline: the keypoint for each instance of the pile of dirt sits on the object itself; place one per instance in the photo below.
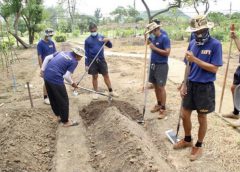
(92, 112)
(118, 143)
(27, 141)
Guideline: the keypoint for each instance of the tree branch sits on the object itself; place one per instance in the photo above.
(150, 17)
(195, 6)
(206, 7)
(148, 10)
(176, 5)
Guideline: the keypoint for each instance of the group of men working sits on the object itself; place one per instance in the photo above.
(204, 56)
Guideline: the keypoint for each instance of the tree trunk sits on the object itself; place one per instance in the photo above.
(25, 45)
(31, 36)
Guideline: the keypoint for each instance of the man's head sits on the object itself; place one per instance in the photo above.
(93, 29)
(79, 53)
(48, 34)
(157, 21)
(153, 29)
(200, 28)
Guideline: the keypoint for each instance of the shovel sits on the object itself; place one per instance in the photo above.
(172, 136)
(141, 121)
(86, 72)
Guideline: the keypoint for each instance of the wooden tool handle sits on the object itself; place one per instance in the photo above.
(232, 27)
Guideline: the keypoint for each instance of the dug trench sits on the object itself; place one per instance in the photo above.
(117, 142)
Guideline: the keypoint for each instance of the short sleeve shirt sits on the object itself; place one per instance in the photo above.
(210, 52)
(58, 66)
(161, 42)
(45, 48)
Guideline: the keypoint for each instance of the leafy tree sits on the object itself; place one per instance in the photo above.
(98, 15)
(33, 15)
(9, 8)
(216, 17)
(83, 22)
(22, 27)
(120, 13)
(64, 26)
(133, 14)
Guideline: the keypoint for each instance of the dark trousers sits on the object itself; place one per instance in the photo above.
(58, 98)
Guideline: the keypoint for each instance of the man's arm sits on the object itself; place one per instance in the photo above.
(45, 62)
(237, 42)
(86, 53)
(236, 39)
(107, 42)
(40, 61)
(204, 65)
(165, 52)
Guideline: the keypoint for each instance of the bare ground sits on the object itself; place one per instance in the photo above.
(108, 137)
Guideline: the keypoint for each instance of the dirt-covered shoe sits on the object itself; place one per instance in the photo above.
(95, 96)
(113, 94)
(46, 101)
(236, 123)
(182, 144)
(156, 108)
(196, 153)
(162, 114)
(231, 115)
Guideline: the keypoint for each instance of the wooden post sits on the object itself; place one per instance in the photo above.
(30, 96)
(226, 72)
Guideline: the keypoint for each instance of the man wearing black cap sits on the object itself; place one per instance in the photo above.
(45, 47)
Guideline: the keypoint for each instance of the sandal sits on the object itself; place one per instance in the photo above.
(73, 123)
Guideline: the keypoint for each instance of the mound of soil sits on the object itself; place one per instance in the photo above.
(27, 141)
(117, 143)
(92, 112)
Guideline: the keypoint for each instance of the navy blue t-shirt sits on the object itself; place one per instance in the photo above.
(210, 52)
(45, 48)
(161, 42)
(58, 66)
(92, 45)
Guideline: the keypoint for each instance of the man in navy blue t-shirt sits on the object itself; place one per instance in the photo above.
(236, 81)
(45, 47)
(205, 57)
(94, 56)
(160, 46)
(54, 70)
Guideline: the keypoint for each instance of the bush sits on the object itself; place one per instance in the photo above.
(219, 35)
(60, 37)
(5, 43)
(76, 33)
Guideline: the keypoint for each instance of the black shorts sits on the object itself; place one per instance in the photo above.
(236, 77)
(158, 74)
(98, 67)
(200, 97)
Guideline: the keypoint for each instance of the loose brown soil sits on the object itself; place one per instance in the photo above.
(27, 141)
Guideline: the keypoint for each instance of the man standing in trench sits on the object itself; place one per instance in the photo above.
(205, 56)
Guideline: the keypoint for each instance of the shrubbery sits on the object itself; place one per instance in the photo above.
(76, 33)
(60, 37)
(6, 43)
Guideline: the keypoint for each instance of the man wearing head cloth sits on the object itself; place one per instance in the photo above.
(205, 57)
